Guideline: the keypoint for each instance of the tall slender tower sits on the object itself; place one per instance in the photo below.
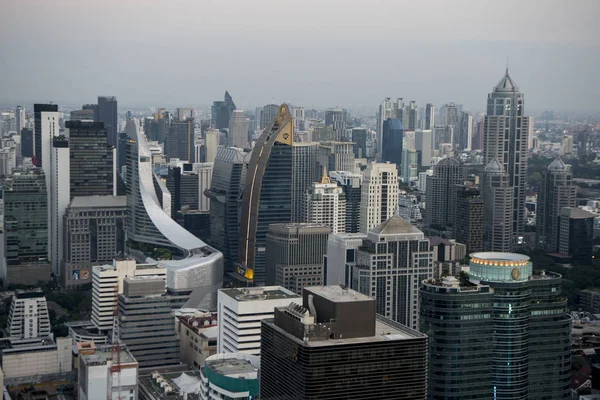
(326, 204)
(379, 195)
(505, 139)
(107, 113)
(498, 209)
(440, 209)
(59, 195)
(238, 130)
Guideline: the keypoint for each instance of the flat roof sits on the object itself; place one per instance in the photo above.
(103, 354)
(338, 294)
(259, 293)
(233, 368)
(98, 201)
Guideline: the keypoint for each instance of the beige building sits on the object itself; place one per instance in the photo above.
(379, 195)
(198, 333)
(34, 357)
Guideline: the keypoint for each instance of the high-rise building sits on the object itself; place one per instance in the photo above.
(341, 257)
(59, 198)
(393, 261)
(336, 118)
(238, 130)
(429, 120)
(184, 188)
(468, 217)
(336, 156)
(325, 203)
(267, 115)
(387, 109)
(465, 130)
(505, 139)
(375, 357)
(92, 159)
(211, 144)
(412, 116)
(498, 200)
(392, 136)
(221, 112)
(27, 145)
(28, 316)
(359, 138)
(94, 234)
(245, 308)
(423, 145)
(46, 119)
(25, 217)
(180, 140)
(440, 208)
(576, 235)
(295, 255)
(108, 113)
(20, 119)
(557, 191)
(458, 319)
(379, 195)
(229, 176)
(204, 172)
(304, 173)
(350, 182)
(267, 193)
(409, 165)
(450, 119)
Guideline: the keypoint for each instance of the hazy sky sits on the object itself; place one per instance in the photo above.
(319, 53)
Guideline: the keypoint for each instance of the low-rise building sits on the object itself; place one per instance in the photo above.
(230, 376)
(33, 360)
(197, 337)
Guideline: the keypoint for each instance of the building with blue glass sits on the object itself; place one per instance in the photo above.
(393, 133)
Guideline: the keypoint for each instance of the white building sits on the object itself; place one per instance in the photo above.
(205, 171)
(240, 312)
(28, 316)
(379, 194)
(95, 378)
(325, 203)
(341, 257)
(422, 182)
(108, 279)
(238, 130)
(60, 195)
(211, 144)
(424, 144)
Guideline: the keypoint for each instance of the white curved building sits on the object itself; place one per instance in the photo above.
(195, 266)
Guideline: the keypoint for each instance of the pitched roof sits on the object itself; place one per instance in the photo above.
(558, 165)
(494, 166)
(395, 225)
(506, 84)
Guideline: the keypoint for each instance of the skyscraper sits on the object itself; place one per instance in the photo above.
(211, 144)
(429, 120)
(238, 130)
(267, 115)
(468, 217)
(576, 238)
(20, 119)
(379, 195)
(350, 182)
(391, 263)
(423, 145)
(412, 116)
(374, 357)
(27, 142)
(295, 255)
(28, 317)
(336, 156)
(440, 210)
(557, 191)
(498, 213)
(393, 133)
(221, 112)
(46, 120)
(304, 172)
(108, 113)
(325, 204)
(359, 138)
(336, 118)
(267, 194)
(92, 159)
(180, 140)
(450, 115)
(60, 196)
(465, 130)
(505, 139)
(409, 166)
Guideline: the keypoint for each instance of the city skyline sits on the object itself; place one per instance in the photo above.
(544, 39)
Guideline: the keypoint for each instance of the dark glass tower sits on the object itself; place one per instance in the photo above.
(91, 159)
(107, 113)
(27, 142)
(440, 209)
(393, 133)
(221, 112)
(267, 197)
(468, 221)
(179, 142)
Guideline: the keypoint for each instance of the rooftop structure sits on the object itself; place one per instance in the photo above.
(232, 375)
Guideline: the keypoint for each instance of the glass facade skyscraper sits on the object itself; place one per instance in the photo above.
(393, 133)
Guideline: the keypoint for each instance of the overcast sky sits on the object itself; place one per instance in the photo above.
(319, 53)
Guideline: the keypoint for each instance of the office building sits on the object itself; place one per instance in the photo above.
(267, 194)
(531, 329)
(336, 118)
(59, 198)
(423, 145)
(411, 124)
(180, 140)
(238, 130)
(498, 200)
(46, 120)
(468, 217)
(97, 378)
(295, 255)
(108, 113)
(505, 139)
(221, 112)
(229, 175)
(429, 120)
(193, 265)
(440, 208)
(304, 173)
(590, 300)
(94, 234)
(393, 134)
(107, 284)
(37, 359)
(28, 315)
(184, 185)
(336, 156)
(267, 115)
(27, 145)
(350, 182)
(325, 203)
(465, 130)
(197, 331)
(375, 357)
(458, 319)
(392, 262)
(359, 138)
(240, 312)
(557, 191)
(204, 171)
(340, 259)
(150, 337)
(576, 235)
(387, 109)
(92, 159)
(83, 115)
(230, 376)
(379, 195)
(20, 119)
(409, 166)
(211, 144)
(450, 119)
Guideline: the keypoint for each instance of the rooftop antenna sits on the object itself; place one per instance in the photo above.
(507, 64)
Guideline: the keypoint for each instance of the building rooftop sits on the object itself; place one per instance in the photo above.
(338, 294)
(577, 213)
(259, 293)
(233, 368)
(98, 201)
(395, 225)
(506, 84)
(499, 256)
(103, 354)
